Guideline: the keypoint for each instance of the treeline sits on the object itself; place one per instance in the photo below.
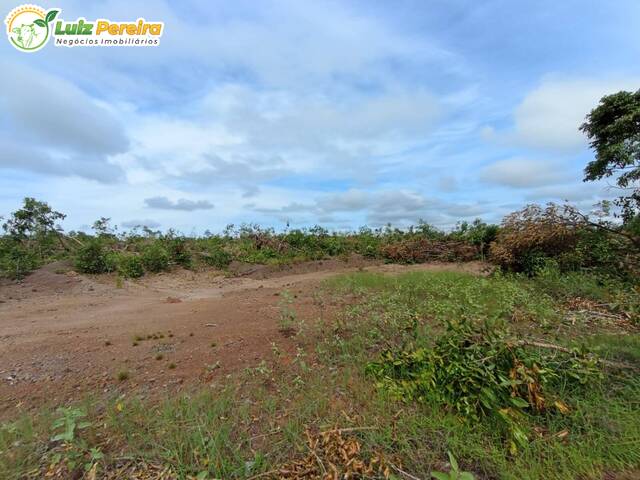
(526, 241)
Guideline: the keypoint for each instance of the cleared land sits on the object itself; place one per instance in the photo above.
(325, 369)
(65, 335)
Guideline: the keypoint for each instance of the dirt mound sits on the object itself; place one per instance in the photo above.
(56, 278)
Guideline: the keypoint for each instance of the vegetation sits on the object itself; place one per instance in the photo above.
(499, 371)
(614, 130)
(529, 372)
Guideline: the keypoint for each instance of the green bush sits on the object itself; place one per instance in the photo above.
(179, 252)
(16, 259)
(480, 371)
(92, 258)
(130, 266)
(155, 258)
(217, 257)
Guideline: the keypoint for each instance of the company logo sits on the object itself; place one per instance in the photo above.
(29, 28)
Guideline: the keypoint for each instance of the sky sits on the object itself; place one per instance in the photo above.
(304, 112)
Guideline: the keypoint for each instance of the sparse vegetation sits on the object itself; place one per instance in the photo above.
(412, 367)
(528, 372)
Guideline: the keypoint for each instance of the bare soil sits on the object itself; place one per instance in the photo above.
(65, 336)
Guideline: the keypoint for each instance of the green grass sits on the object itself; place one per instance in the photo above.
(256, 420)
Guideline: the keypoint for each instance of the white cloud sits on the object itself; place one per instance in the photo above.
(55, 128)
(551, 114)
(524, 173)
(379, 207)
(163, 203)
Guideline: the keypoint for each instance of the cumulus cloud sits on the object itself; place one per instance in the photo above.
(524, 173)
(550, 115)
(399, 207)
(54, 127)
(163, 203)
(572, 192)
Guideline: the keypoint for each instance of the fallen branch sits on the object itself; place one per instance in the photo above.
(403, 473)
(346, 430)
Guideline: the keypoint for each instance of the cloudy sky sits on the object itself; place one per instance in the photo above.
(340, 113)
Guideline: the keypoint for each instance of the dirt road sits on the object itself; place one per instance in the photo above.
(64, 336)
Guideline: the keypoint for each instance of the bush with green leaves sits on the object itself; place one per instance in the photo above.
(92, 257)
(16, 259)
(155, 258)
(217, 257)
(479, 371)
(178, 249)
(130, 265)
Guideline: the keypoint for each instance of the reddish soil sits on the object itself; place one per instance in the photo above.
(65, 336)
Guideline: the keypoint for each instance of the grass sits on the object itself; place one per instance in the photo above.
(256, 421)
(123, 375)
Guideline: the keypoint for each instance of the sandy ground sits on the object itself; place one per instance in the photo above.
(65, 336)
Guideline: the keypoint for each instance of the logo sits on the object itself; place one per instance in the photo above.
(29, 28)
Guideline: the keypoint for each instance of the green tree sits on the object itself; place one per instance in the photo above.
(32, 219)
(613, 128)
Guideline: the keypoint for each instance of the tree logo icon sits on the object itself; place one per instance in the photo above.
(28, 27)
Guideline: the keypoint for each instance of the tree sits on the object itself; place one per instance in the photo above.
(613, 128)
(34, 219)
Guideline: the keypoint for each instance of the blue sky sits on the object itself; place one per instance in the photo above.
(338, 113)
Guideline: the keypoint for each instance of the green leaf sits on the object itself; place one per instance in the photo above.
(519, 402)
(39, 22)
(453, 462)
(202, 475)
(51, 15)
(440, 476)
(466, 476)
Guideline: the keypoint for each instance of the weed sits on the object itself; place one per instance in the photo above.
(159, 356)
(171, 366)
(454, 473)
(123, 375)
(288, 321)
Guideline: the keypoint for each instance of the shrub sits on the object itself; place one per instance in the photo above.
(16, 259)
(530, 235)
(91, 258)
(155, 258)
(479, 371)
(177, 248)
(217, 257)
(130, 266)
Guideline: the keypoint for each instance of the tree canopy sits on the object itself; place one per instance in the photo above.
(613, 128)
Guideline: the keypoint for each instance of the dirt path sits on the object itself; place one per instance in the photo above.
(64, 336)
